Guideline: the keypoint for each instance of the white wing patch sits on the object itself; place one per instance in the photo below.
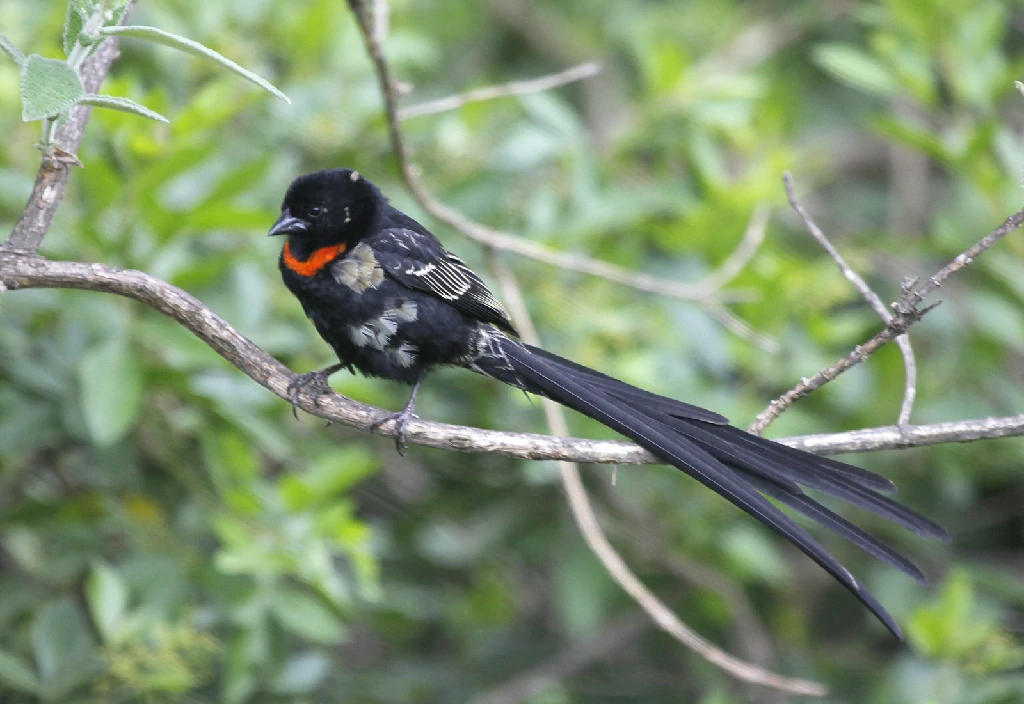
(359, 270)
(403, 310)
(429, 267)
(404, 355)
(425, 271)
(377, 332)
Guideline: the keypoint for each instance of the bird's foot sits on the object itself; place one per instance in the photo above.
(401, 419)
(314, 382)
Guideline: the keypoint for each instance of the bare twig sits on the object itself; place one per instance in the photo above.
(753, 238)
(909, 361)
(381, 20)
(907, 312)
(52, 179)
(485, 235)
(597, 541)
(533, 85)
(741, 328)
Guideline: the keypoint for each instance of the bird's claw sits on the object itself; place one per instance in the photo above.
(401, 419)
(315, 382)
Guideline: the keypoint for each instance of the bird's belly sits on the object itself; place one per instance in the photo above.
(394, 333)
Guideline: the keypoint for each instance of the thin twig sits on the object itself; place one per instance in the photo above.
(753, 238)
(907, 312)
(909, 361)
(485, 235)
(533, 85)
(381, 20)
(52, 178)
(741, 328)
(597, 541)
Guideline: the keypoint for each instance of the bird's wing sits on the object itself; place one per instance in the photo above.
(418, 260)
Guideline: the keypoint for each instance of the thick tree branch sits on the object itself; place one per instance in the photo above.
(25, 272)
(906, 313)
(52, 179)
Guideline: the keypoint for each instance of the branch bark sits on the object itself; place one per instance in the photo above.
(26, 272)
(52, 179)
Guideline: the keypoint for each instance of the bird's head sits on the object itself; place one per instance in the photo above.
(325, 208)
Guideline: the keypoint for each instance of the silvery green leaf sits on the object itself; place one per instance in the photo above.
(48, 87)
(14, 52)
(123, 104)
(194, 48)
(118, 13)
(78, 13)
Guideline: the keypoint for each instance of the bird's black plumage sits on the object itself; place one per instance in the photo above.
(393, 303)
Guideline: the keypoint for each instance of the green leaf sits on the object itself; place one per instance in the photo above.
(305, 616)
(78, 12)
(110, 382)
(48, 87)
(107, 597)
(63, 648)
(852, 66)
(17, 675)
(14, 52)
(190, 47)
(913, 136)
(118, 13)
(123, 104)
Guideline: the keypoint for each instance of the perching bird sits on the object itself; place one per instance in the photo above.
(394, 303)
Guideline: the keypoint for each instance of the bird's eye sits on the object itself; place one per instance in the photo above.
(316, 211)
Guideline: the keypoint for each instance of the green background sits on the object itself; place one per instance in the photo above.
(169, 533)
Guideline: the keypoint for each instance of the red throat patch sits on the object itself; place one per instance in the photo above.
(315, 262)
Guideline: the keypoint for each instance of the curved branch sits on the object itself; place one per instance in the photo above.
(23, 272)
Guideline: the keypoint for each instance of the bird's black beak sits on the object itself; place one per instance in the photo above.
(287, 224)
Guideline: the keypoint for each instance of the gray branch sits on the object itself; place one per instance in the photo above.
(22, 272)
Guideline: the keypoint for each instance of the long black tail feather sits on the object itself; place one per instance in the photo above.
(741, 467)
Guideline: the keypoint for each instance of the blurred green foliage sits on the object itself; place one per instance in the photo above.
(169, 533)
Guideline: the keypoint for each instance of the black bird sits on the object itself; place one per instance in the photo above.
(394, 303)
